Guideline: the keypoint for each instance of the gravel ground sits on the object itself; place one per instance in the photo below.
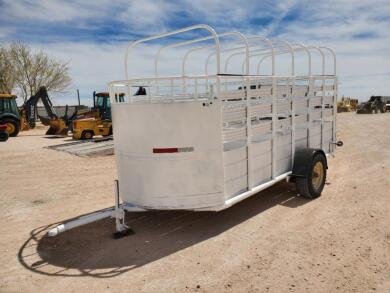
(271, 242)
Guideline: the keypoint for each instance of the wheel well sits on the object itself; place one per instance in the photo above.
(88, 130)
(10, 117)
(303, 159)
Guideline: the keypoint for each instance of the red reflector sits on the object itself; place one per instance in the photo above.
(173, 150)
(165, 150)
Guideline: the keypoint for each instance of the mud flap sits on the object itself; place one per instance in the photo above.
(302, 161)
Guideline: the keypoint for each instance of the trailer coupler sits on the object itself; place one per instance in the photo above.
(83, 220)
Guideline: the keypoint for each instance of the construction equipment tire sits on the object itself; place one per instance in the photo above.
(13, 126)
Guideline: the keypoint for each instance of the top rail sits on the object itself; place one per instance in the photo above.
(208, 28)
(245, 47)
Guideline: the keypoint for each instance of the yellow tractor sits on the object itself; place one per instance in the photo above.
(97, 121)
(347, 105)
(9, 114)
(23, 118)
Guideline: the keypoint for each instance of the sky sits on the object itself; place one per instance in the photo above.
(92, 35)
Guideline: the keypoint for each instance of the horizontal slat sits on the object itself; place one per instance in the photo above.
(230, 95)
(283, 106)
(315, 114)
(261, 109)
(263, 92)
(328, 100)
(300, 119)
(283, 123)
(328, 112)
(261, 127)
(234, 114)
(315, 101)
(326, 88)
(300, 91)
(234, 133)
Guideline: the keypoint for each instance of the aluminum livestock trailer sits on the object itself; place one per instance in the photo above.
(205, 142)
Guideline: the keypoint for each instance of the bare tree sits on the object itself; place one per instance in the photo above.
(33, 70)
(7, 75)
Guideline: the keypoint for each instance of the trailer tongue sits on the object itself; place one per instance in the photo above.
(206, 142)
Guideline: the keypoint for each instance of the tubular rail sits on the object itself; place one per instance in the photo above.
(261, 38)
(208, 28)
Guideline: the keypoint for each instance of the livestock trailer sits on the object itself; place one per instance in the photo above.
(207, 141)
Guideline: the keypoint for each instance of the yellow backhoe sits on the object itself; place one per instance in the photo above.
(97, 121)
(23, 118)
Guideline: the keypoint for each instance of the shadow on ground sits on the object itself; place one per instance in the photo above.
(55, 137)
(90, 250)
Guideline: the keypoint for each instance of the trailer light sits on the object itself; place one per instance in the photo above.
(172, 150)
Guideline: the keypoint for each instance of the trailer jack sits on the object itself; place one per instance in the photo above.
(121, 228)
(117, 212)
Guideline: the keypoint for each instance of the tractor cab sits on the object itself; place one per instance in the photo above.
(8, 105)
(9, 114)
(102, 103)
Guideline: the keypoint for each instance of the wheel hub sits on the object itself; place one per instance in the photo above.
(317, 175)
(10, 128)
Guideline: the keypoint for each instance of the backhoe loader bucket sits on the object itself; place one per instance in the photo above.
(57, 127)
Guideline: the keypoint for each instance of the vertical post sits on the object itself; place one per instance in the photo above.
(184, 84)
(206, 72)
(211, 93)
(309, 94)
(149, 91)
(196, 88)
(248, 131)
(78, 96)
(335, 88)
(292, 96)
(274, 122)
(322, 102)
(130, 96)
(117, 210)
(335, 93)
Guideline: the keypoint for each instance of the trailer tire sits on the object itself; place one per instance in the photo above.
(311, 183)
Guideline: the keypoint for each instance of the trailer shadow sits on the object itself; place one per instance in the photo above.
(90, 250)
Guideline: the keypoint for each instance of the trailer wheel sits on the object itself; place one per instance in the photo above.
(312, 183)
(87, 134)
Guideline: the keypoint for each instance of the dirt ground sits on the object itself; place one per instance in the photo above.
(271, 242)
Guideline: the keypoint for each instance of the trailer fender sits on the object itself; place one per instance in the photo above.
(303, 160)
